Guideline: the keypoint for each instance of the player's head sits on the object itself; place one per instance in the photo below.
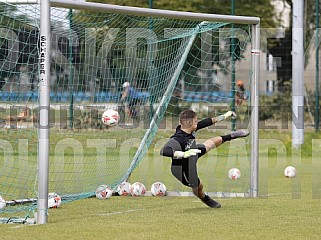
(126, 84)
(239, 83)
(188, 119)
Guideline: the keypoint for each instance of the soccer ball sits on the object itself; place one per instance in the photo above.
(2, 203)
(137, 189)
(103, 192)
(234, 173)
(290, 172)
(54, 200)
(123, 189)
(158, 189)
(110, 117)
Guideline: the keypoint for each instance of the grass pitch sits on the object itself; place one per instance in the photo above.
(286, 208)
(279, 217)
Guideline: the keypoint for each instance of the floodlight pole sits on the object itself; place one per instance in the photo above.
(43, 126)
(70, 78)
(317, 114)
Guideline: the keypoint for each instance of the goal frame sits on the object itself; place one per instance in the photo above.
(44, 76)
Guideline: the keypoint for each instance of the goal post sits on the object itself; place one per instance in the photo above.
(71, 62)
(44, 106)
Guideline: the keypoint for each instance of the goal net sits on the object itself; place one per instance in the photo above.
(171, 60)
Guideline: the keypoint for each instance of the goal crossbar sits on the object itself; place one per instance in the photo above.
(99, 7)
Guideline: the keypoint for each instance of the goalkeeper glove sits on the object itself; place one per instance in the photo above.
(187, 154)
(226, 115)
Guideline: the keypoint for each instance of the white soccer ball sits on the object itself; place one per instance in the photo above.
(2, 203)
(54, 200)
(103, 192)
(158, 189)
(137, 189)
(110, 117)
(123, 189)
(290, 172)
(234, 173)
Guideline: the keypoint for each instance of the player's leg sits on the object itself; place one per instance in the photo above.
(187, 175)
(212, 143)
(198, 191)
(130, 108)
(195, 183)
(240, 134)
(217, 141)
(133, 105)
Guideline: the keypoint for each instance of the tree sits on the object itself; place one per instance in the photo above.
(102, 23)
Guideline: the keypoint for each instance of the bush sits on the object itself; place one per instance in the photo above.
(275, 107)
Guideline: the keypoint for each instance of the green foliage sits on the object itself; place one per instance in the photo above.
(270, 106)
(279, 107)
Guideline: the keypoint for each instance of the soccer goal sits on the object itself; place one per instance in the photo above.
(64, 62)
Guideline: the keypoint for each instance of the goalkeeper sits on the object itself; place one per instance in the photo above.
(184, 151)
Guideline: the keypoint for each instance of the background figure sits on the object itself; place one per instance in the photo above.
(131, 95)
(240, 94)
(241, 101)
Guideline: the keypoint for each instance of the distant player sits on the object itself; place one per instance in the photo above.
(241, 100)
(184, 151)
(132, 95)
(240, 94)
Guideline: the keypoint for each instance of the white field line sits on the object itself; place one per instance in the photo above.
(114, 213)
(20, 225)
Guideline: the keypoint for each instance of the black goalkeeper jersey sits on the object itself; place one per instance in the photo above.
(182, 141)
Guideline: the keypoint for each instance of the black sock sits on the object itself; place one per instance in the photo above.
(227, 137)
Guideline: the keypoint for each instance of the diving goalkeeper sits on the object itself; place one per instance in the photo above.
(184, 151)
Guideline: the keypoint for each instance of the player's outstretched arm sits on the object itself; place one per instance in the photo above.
(224, 116)
(205, 123)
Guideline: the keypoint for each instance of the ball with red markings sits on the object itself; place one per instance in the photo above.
(103, 192)
(54, 200)
(123, 189)
(110, 117)
(234, 173)
(158, 189)
(137, 189)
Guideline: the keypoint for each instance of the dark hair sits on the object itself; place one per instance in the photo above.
(186, 116)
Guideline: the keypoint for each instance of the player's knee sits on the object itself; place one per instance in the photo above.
(213, 143)
(209, 145)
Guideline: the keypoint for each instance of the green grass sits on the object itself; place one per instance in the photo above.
(278, 217)
(286, 208)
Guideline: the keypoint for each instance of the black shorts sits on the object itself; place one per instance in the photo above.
(185, 170)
